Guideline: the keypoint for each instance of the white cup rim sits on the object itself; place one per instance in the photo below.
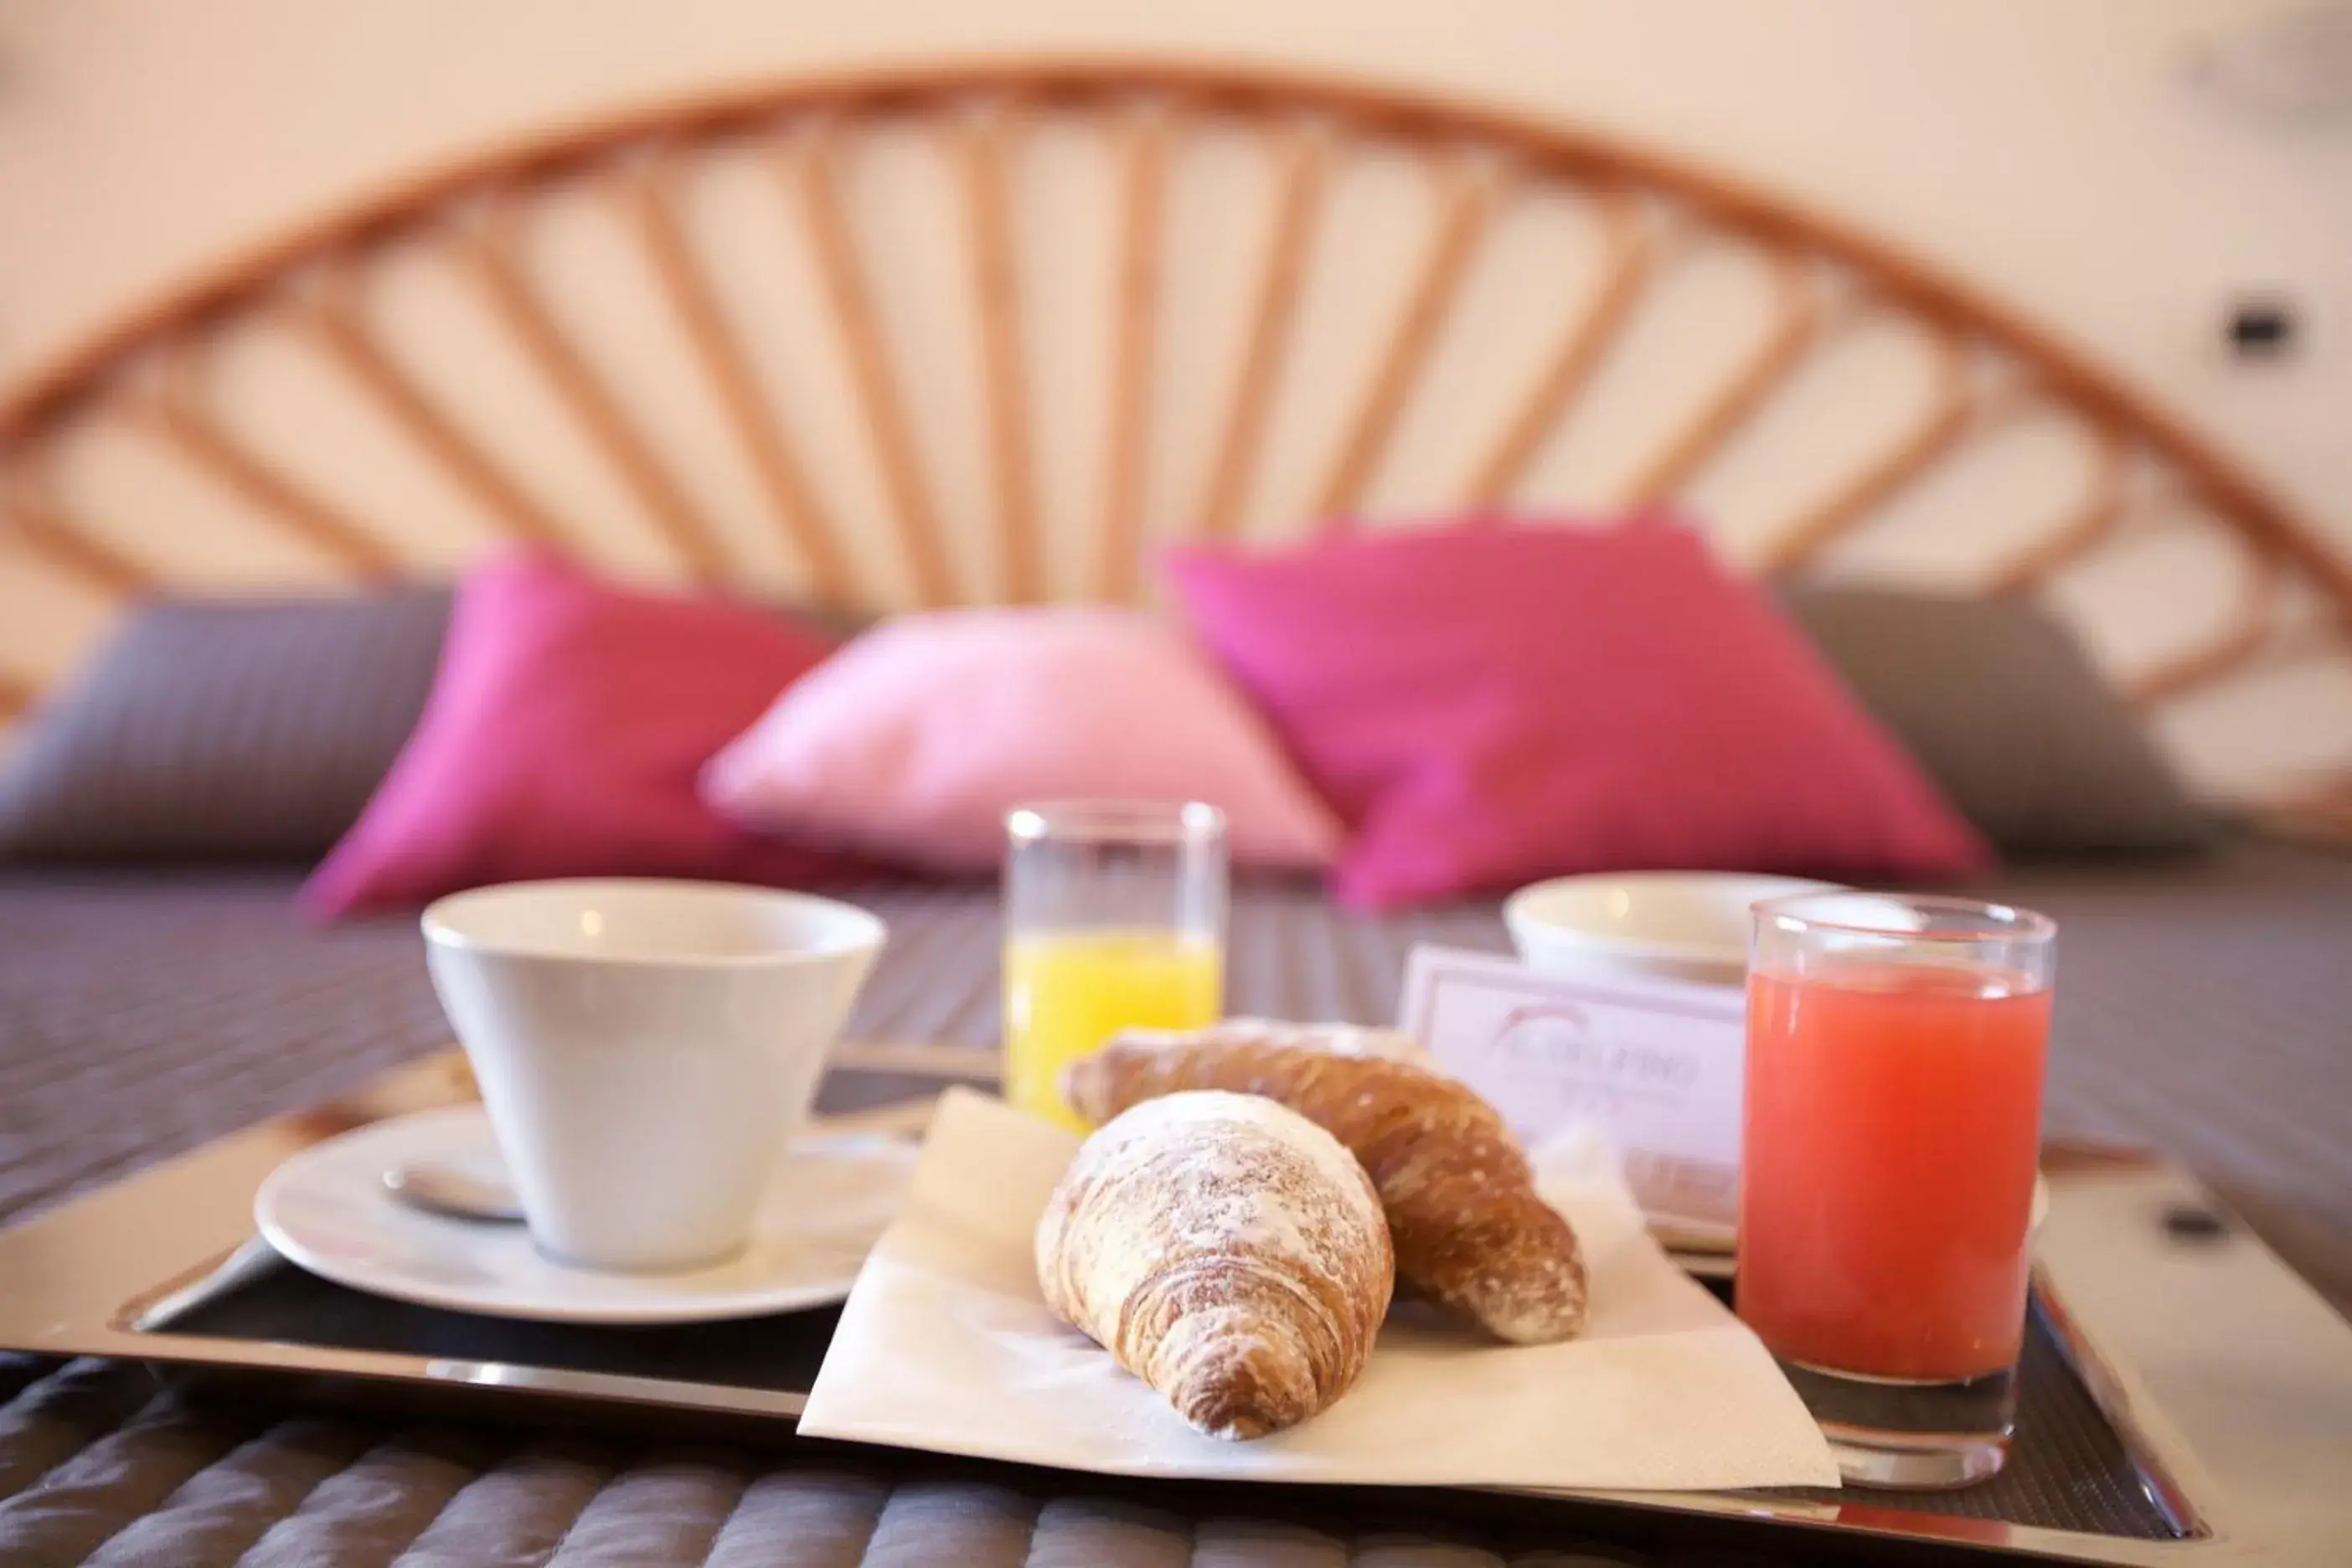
(1528, 905)
(444, 923)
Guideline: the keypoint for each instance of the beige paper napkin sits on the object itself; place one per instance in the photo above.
(945, 1344)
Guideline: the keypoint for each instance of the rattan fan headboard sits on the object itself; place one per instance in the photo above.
(986, 332)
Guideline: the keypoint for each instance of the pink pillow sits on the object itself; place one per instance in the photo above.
(915, 739)
(1487, 704)
(566, 725)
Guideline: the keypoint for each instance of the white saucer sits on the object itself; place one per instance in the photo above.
(327, 1209)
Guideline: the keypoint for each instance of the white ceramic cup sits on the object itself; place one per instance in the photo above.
(643, 1049)
(1684, 925)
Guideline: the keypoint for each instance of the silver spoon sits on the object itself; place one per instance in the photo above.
(445, 1190)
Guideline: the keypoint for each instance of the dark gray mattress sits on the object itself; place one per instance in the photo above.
(2203, 1010)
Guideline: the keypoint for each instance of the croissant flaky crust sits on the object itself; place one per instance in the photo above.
(1470, 1232)
(1225, 1250)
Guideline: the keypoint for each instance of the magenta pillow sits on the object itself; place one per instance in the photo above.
(914, 741)
(1486, 703)
(566, 725)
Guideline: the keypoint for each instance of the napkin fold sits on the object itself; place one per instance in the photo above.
(946, 1344)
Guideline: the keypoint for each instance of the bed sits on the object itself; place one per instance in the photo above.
(147, 1013)
(568, 343)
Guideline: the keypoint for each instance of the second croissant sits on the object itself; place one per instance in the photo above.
(1470, 1231)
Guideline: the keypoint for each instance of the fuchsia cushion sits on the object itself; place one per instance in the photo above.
(567, 723)
(915, 740)
(1486, 704)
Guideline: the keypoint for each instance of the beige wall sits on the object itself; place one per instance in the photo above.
(2047, 149)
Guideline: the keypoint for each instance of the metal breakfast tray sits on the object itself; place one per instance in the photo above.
(162, 1267)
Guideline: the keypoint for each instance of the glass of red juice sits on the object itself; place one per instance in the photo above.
(1896, 1047)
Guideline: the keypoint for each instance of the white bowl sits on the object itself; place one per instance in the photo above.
(1684, 925)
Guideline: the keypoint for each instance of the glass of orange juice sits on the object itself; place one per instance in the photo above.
(1114, 918)
(1895, 1048)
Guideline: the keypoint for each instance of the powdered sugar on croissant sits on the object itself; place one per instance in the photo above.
(1225, 1250)
(1470, 1231)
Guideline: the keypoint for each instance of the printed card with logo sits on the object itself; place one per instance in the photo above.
(1657, 1063)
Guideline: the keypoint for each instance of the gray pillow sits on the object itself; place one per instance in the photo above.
(2003, 708)
(212, 731)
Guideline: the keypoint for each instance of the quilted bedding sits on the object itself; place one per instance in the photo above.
(2203, 1010)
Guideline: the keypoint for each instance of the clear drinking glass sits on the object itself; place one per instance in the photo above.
(1114, 918)
(1895, 1048)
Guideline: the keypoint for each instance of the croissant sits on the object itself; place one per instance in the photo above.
(1226, 1251)
(1471, 1234)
